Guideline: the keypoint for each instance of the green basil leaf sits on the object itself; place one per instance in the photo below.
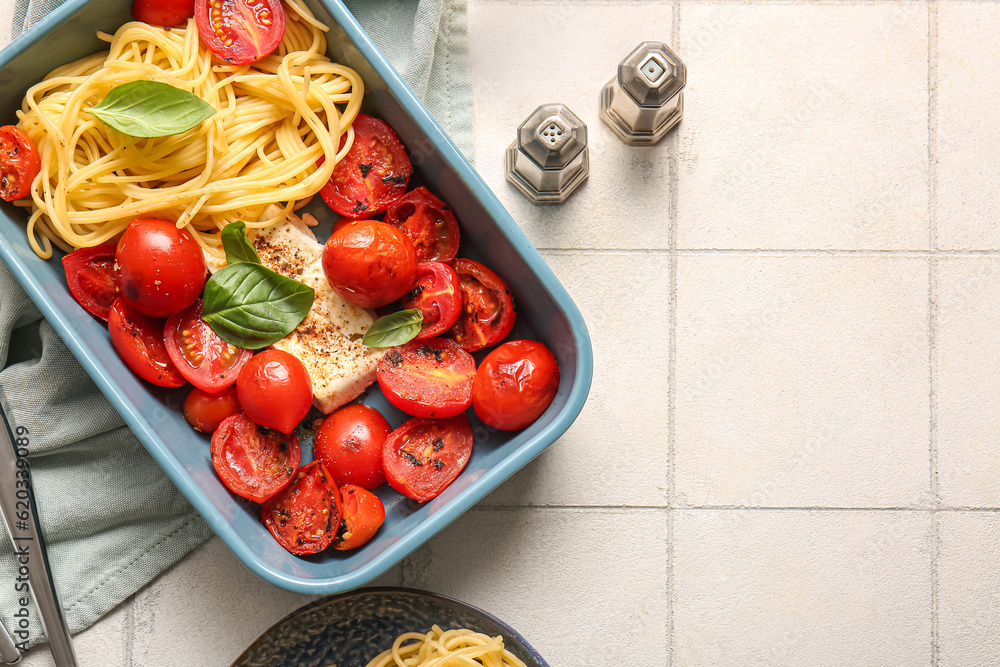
(394, 329)
(151, 109)
(236, 244)
(251, 306)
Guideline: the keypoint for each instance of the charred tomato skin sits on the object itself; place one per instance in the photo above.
(428, 222)
(424, 456)
(253, 461)
(428, 378)
(487, 307)
(437, 293)
(304, 517)
(19, 163)
(363, 514)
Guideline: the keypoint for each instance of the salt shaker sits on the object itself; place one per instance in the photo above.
(549, 159)
(646, 99)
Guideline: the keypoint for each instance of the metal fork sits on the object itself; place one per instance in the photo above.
(26, 535)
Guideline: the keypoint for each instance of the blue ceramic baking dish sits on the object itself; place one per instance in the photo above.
(489, 234)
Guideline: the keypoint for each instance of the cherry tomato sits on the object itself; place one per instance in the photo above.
(423, 456)
(428, 222)
(163, 12)
(372, 175)
(275, 390)
(138, 340)
(305, 516)
(363, 514)
(91, 278)
(205, 411)
(19, 163)
(427, 378)
(437, 293)
(160, 268)
(514, 384)
(349, 443)
(240, 31)
(204, 359)
(369, 263)
(253, 462)
(487, 308)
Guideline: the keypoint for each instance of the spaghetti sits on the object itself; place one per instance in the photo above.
(274, 120)
(452, 648)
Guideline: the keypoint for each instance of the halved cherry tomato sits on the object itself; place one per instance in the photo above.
(514, 384)
(305, 516)
(363, 514)
(428, 378)
(204, 359)
(437, 293)
(138, 340)
(349, 443)
(160, 269)
(91, 278)
(19, 163)
(369, 263)
(428, 222)
(423, 456)
(372, 175)
(240, 31)
(275, 390)
(205, 411)
(487, 308)
(253, 461)
(163, 12)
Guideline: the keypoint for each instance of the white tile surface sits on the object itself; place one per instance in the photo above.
(801, 588)
(788, 141)
(106, 643)
(802, 380)
(969, 597)
(967, 145)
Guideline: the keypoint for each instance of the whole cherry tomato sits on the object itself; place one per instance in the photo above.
(514, 384)
(372, 175)
(349, 443)
(437, 293)
(423, 456)
(91, 278)
(19, 163)
(369, 263)
(205, 411)
(363, 514)
(163, 12)
(161, 269)
(138, 340)
(427, 378)
(253, 462)
(240, 31)
(428, 222)
(305, 516)
(275, 390)
(202, 357)
(487, 308)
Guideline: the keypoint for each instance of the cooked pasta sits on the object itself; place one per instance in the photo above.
(452, 648)
(274, 120)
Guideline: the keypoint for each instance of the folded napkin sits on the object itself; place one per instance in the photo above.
(111, 517)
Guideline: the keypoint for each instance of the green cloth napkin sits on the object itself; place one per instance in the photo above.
(112, 519)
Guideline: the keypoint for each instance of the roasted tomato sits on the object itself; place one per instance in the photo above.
(437, 293)
(275, 390)
(423, 456)
(372, 175)
(163, 12)
(204, 359)
(91, 278)
(19, 163)
(428, 222)
(240, 31)
(514, 384)
(305, 516)
(253, 461)
(369, 263)
(205, 411)
(362, 515)
(160, 269)
(349, 443)
(487, 308)
(138, 339)
(428, 378)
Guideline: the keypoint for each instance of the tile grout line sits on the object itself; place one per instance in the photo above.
(866, 252)
(129, 639)
(932, 119)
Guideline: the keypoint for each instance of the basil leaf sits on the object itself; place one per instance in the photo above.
(238, 247)
(251, 306)
(394, 329)
(151, 109)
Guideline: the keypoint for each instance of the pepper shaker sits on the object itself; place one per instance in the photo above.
(549, 159)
